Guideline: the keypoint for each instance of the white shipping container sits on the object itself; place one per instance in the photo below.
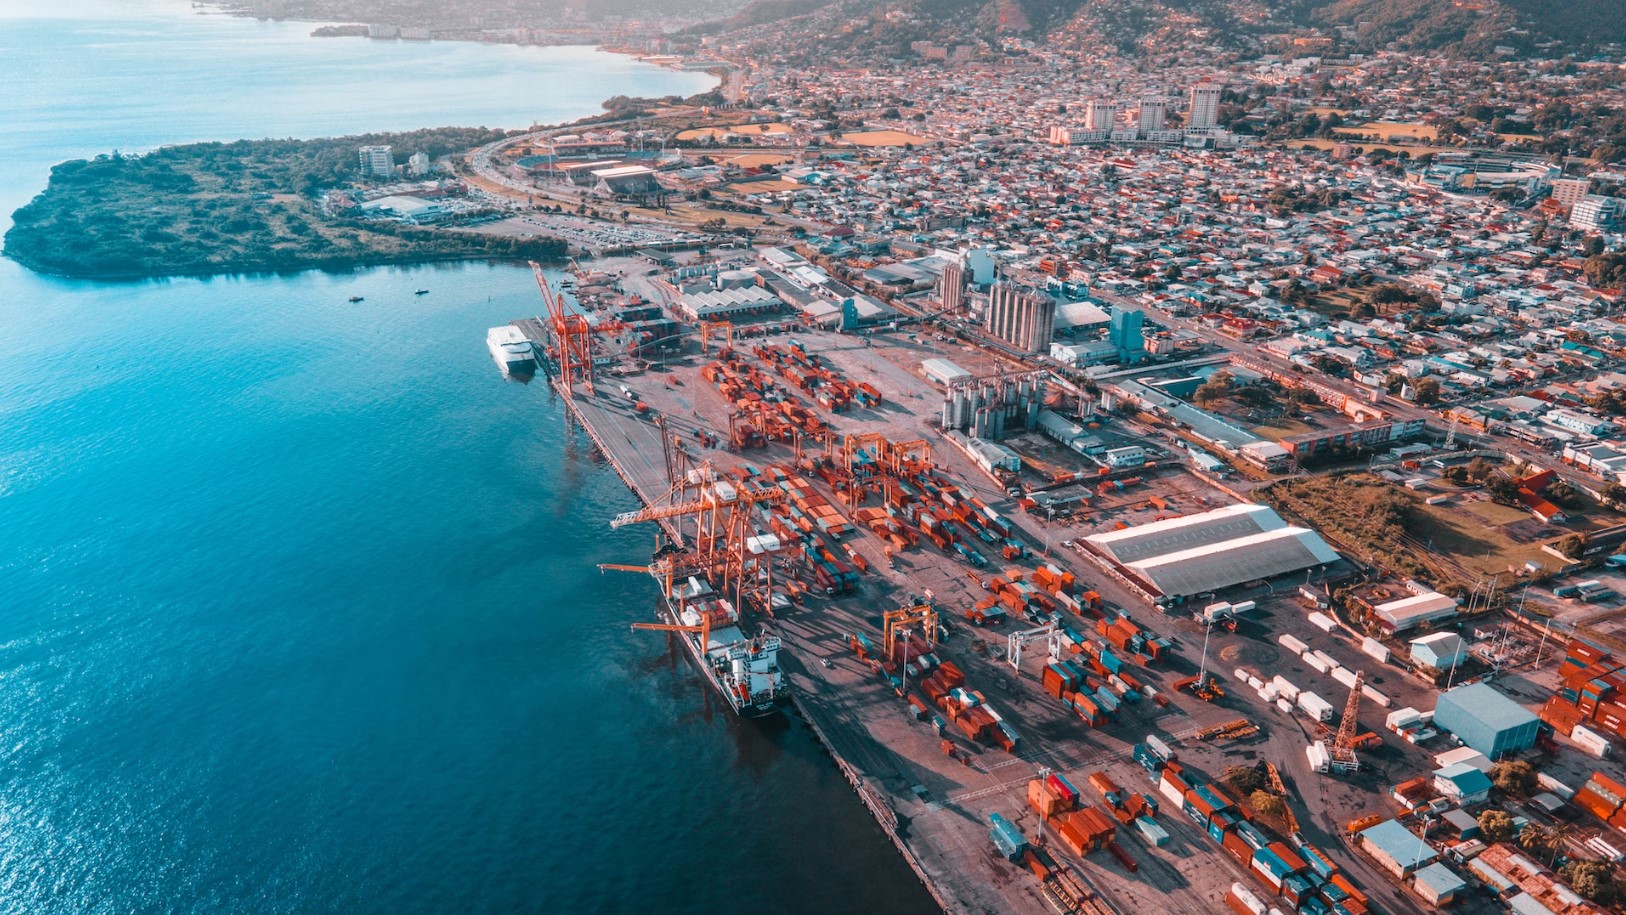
(1241, 674)
(1316, 663)
(1315, 706)
(1323, 622)
(1590, 741)
(1273, 881)
(1376, 649)
(1159, 749)
(1243, 606)
(1326, 659)
(1285, 706)
(1320, 759)
(1286, 686)
(1345, 676)
(1171, 794)
(1247, 899)
(1256, 683)
(1377, 697)
(1555, 786)
(1402, 718)
(1269, 692)
(1292, 644)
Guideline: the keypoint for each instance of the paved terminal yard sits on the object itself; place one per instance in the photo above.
(937, 806)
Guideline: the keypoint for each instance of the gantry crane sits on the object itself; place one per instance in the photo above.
(572, 337)
(1342, 750)
(723, 329)
(723, 545)
(893, 622)
(1015, 641)
(703, 630)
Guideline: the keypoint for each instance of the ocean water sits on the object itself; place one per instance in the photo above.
(298, 610)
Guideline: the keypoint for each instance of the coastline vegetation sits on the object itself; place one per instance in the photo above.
(245, 206)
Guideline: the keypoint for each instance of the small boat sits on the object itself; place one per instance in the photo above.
(421, 292)
(356, 298)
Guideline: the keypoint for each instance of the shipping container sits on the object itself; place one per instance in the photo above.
(1292, 644)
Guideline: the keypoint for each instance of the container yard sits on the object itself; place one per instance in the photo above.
(1041, 712)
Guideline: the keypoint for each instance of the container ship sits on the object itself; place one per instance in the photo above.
(744, 669)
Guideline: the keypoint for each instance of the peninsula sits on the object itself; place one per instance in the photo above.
(256, 205)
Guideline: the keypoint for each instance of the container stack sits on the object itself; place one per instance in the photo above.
(1007, 838)
(1592, 693)
(1603, 797)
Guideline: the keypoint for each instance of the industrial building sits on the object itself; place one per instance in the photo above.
(1023, 319)
(1407, 612)
(1438, 884)
(1196, 554)
(1441, 651)
(1486, 720)
(1397, 849)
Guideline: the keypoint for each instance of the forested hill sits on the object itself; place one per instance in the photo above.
(248, 206)
(1464, 27)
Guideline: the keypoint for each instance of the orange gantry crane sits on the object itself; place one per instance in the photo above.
(572, 337)
(722, 543)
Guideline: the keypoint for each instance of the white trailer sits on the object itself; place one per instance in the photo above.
(1315, 706)
(1292, 644)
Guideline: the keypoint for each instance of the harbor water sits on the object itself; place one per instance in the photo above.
(298, 606)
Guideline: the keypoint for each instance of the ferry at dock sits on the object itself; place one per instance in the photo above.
(511, 349)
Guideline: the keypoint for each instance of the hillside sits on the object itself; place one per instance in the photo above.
(1466, 27)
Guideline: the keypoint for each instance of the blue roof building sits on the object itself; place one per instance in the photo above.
(1486, 720)
(1463, 784)
(1396, 848)
(1438, 884)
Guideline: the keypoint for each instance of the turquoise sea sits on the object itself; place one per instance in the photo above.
(298, 610)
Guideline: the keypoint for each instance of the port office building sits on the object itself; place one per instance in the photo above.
(1486, 720)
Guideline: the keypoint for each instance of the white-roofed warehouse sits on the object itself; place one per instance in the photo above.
(1196, 554)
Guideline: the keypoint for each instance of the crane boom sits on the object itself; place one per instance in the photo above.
(662, 512)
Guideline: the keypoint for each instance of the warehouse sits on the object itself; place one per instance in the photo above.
(1396, 849)
(1406, 613)
(1439, 885)
(1197, 554)
(1441, 651)
(1486, 720)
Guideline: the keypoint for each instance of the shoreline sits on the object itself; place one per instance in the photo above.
(115, 277)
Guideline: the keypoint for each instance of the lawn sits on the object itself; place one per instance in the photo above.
(1282, 427)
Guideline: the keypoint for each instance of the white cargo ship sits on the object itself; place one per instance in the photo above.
(745, 669)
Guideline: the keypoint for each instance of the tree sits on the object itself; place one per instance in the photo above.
(1574, 546)
(1244, 779)
(1426, 391)
(1214, 389)
(1268, 805)
(1514, 779)
(1502, 490)
(1614, 494)
(1495, 826)
(1593, 879)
